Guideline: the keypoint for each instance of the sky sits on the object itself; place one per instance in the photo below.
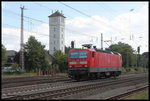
(125, 22)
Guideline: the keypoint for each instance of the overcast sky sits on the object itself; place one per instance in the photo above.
(85, 21)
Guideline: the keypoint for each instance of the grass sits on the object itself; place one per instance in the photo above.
(19, 75)
(144, 95)
(133, 69)
(60, 73)
(34, 74)
(25, 74)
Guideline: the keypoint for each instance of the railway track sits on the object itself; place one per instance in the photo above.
(29, 78)
(74, 88)
(128, 93)
(22, 81)
(28, 88)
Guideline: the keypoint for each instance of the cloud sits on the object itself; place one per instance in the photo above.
(123, 26)
(11, 36)
(83, 29)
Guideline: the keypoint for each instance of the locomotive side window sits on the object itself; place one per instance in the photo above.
(92, 54)
(121, 58)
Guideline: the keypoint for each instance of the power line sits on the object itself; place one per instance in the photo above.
(67, 15)
(90, 16)
(52, 36)
(74, 31)
(105, 8)
(26, 30)
(47, 23)
(43, 6)
(26, 16)
(50, 9)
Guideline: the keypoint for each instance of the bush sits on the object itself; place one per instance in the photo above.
(142, 68)
(13, 69)
(14, 66)
(123, 69)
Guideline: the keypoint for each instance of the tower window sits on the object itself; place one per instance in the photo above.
(54, 29)
(62, 19)
(54, 49)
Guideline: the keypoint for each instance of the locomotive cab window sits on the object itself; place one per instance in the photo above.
(93, 54)
(79, 54)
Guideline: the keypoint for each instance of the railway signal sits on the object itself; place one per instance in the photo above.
(72, 44)
(138, 49)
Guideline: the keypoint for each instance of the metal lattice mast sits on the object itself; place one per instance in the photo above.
(102, 41)
(21, 44)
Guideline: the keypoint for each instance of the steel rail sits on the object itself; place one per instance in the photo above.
(65, 91)
(33, 81)
(125, 94)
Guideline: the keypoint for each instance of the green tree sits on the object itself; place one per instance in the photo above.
(67, 49)
(127, 57)
(36, 54)
(4, 57)
(126, 51)
(143, 62)
(118, 47)
(63, 62)
(15, 66)
(56, 55)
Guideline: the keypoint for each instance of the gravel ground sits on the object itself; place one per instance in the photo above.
(113, 92)
(104, 92)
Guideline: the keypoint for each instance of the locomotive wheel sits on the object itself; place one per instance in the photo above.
(107, 74)
(77, 78)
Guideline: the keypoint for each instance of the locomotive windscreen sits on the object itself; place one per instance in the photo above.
(79, 54)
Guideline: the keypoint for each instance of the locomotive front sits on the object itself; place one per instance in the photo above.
(78, 63)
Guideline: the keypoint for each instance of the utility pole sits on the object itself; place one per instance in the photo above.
(138, 49)
(101, 41)
(127, 59)
(136, 58)
(111, 40)
(21, 43)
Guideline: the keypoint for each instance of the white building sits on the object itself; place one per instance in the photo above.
(56, 32)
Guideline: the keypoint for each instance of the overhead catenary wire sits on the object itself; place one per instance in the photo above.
(47, 23)
(81, 33)
(74, 31)
(98, 21)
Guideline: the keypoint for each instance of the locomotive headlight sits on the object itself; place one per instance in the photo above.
(85, 65)
(70, 66)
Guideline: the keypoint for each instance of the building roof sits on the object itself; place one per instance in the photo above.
(57, 13)
(10, 53)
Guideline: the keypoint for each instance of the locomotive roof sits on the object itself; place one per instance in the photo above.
(106, 51)
(99, 50)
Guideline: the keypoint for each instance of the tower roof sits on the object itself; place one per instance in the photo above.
(57, 13)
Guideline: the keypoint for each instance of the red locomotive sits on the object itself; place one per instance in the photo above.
(93, 63)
